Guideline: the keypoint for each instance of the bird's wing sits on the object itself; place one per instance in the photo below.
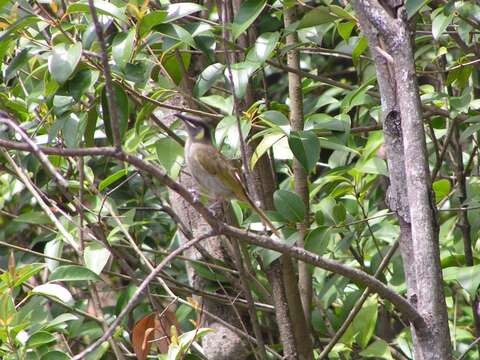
(215, 164)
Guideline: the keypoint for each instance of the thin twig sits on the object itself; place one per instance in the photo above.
(358, 305)
(138, 293)
(112, 107)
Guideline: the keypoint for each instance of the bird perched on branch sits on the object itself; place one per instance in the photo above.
(217, 178)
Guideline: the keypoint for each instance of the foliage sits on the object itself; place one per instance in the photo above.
(54, 300)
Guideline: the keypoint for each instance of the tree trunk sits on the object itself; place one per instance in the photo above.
(400, 97)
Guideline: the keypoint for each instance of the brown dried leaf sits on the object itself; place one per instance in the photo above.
(142, 335)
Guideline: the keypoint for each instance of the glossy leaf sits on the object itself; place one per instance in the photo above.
(170, 155)
(467, 277)
(122, 48)
(319, 15)
(442, 189)
(112, 179)
(63, 61)
(102, 7)
(96, 257)
(68, 273)
(40, 338)
(306, 148)
(207, 78)
(289, 205)
(56, 291)
(150, 20)
(263, 47)
(440, 23)
(248, 12)
(378, 349)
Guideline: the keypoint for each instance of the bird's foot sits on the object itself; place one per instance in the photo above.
(195, 194)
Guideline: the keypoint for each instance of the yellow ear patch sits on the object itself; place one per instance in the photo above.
(200, 135)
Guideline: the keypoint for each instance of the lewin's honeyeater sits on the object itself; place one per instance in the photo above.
(216, 176)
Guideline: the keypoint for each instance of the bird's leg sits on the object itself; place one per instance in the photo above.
(216, 206)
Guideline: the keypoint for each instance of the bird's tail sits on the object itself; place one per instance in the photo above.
(263, 217)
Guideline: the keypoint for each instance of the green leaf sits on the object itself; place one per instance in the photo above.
(241, 73)
(332, 145)
(275, 117)
(462, 103)
(305, 147)
(359, 49)
(120, 100)
(339, 213)
(60, 319)
(55, 355)
(96, 257)
(150, 20)
(173, 67)
(319, 15)
(98, 353)
(20, 24)
(374, 165)
(73, 273)
(468, 277)
(56, 291)
(345, 29)
(53, 248)
(327, 122)
(379, 349)
(267, 142)
(40, 338)
(18, 61)
(207, 78)
(440, 23)
(225, 104)
(356, 97)
(289, 205)
(63, 61)
(82, 81)
(441, 188)
(263, 47)
(26, 272)
(33, 217)
(248, 12)
(206, 272)
(414, 6)
(90, 128)
(227, 131)
(186, 339)
(7, 308)
(317, 240)
(73, 129)
(341, 12)
(179, 10)
(170, 155)
(102, 7)
(112, 178)
(363, 326)
(122, 48)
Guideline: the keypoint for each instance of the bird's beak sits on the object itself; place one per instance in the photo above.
(189, 120)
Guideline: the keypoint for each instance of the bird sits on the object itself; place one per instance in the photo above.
(215, 175)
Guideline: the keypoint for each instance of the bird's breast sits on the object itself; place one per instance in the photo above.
(210, 184)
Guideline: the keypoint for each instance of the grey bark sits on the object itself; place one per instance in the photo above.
(223, 343)
(405, 118)
(299, 173)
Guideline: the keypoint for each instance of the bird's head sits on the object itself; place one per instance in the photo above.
(197, 129)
